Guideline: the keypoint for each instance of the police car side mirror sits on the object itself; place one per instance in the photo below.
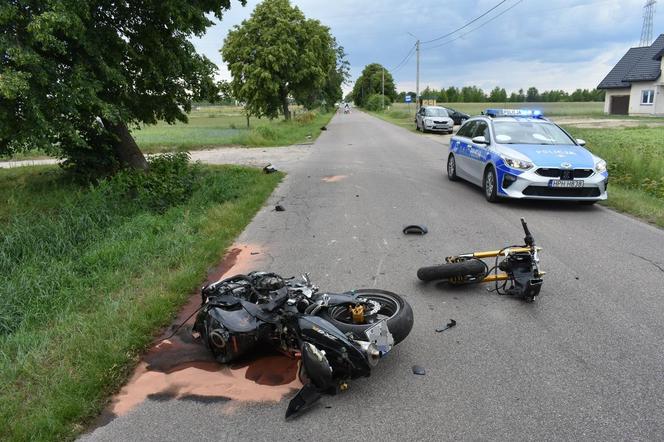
(580, 142)
(480, 140)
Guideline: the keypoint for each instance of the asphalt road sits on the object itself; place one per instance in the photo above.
(585, 361)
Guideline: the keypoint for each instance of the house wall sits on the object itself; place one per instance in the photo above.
(635, 106)
(610, 93)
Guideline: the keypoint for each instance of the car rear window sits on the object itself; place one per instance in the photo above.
(436, 112)
(526, 132)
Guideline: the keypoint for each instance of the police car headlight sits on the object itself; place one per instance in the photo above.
(517, 164)
(600, 166)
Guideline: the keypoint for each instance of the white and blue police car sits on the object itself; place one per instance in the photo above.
(514, 153)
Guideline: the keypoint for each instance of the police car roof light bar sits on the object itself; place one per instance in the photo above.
(528, 113)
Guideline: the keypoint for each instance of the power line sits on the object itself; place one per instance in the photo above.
(477, 27)
(464, 26)
(403, 62)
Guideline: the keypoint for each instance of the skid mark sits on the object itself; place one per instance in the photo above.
(333, 178)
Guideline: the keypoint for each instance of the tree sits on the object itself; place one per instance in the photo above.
(453, 94)
(370, 82)
(76, 76)
(498, 95)
(278, 54)
(532, 95)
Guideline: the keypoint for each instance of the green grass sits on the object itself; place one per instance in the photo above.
(227, 126)
(635, 156)
(87, 279)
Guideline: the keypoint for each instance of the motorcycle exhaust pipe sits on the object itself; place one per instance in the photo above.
(372, 352)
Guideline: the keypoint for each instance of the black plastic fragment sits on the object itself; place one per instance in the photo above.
(323, 128)
(304, 399)
(269, 169)
(419, 370)
(279, 208)
(450, 324)
(415, 229)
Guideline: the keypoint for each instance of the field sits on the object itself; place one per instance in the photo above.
(89, 275)
(635, 156)
(215, 126)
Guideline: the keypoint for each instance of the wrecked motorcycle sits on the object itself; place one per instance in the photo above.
(520, 273)
(339, 336)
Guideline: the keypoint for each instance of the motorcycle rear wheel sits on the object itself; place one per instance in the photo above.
(394, 309)
(471, 268)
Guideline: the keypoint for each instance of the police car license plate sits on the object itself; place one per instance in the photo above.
(566, 183)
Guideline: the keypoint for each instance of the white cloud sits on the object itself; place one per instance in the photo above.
(549, 44)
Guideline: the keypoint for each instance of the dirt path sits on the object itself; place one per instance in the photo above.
(282, 158)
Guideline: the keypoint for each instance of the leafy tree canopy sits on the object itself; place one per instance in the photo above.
(370, 82)
(278, 54)
(76, 75)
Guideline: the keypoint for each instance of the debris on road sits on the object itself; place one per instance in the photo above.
(419, 370)
(243, 314)
(323, 128)
(450, 324)
(279, 208)
(415, 229)
(269, 169)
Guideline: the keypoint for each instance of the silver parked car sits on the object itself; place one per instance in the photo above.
(434, 119)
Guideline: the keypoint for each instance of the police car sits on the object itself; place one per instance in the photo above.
(520, 154)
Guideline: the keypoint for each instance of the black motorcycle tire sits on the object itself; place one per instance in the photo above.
(399, 323)
(472, 268)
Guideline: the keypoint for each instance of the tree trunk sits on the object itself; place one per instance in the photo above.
(125, 147)
(284, 103)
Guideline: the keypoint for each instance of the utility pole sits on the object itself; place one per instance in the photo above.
(417, 81)
(383, 89)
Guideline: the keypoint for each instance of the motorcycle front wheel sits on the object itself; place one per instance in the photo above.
(394, 309)
(467, 269)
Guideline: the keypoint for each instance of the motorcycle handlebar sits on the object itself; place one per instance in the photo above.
(529, 240)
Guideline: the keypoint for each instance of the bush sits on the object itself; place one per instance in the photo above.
(305, 117)
(267, 132)
(375, 102)
(169, 181)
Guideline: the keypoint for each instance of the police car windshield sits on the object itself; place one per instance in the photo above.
(436, 112)
(527, 132)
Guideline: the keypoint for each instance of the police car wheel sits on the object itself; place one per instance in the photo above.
(451, 168)
(489, 185)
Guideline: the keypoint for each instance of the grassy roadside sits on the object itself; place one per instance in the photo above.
(87, 278)
(635, 157)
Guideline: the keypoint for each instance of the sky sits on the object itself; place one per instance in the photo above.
(548, 44)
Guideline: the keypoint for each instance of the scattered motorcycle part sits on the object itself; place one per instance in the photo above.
(279, 208)
(519, 276)
(415, 229)
(243, 313)
(419, 370)
(303, 400)
(269, 169)
(323, 128)
(450, 324)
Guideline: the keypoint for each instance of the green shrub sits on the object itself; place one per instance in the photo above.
(268, 133)
(375, 102)
(169, 181)
(305, 117)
